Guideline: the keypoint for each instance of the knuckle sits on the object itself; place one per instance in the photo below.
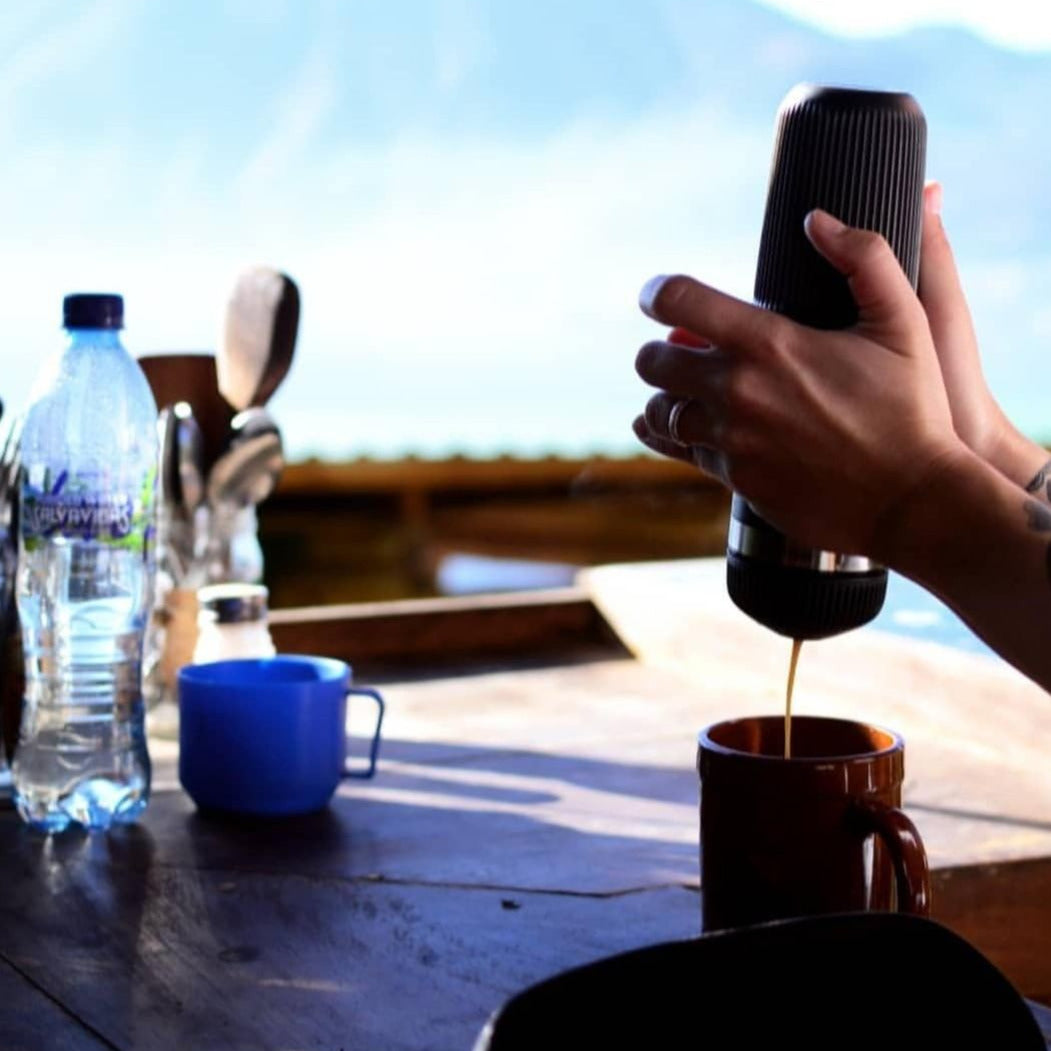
(772, 336)
(871, 246)
(736, 443)
(739, 394)
(772, 343)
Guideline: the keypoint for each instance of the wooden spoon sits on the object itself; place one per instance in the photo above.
(259, 337)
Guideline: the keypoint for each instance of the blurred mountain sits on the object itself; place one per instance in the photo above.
(469, 191)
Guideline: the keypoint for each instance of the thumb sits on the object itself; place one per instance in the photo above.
(885, 299)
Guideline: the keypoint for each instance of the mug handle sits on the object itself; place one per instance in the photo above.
(902, 839)
(374, 747)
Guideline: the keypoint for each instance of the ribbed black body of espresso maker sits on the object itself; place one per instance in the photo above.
(860, 156)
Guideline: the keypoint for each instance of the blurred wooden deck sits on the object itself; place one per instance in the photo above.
(370, 530)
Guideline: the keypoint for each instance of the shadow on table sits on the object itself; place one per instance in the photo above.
(465, 816)
(635, 780)
(677, 785)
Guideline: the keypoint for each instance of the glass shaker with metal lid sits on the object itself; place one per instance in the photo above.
(232, 622)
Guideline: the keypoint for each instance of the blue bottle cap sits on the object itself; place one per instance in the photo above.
(93, 310)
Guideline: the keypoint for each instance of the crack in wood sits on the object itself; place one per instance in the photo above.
(66, 1010)
(378, 879)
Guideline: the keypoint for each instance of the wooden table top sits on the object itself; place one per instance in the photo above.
(524, 820)
(977, 732)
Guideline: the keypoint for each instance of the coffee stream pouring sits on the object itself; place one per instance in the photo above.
(860, 156)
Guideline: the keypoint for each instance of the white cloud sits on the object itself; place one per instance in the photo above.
(304, 106)
(258, 12)
(1023, 25)
(461, 43)
(70, 42)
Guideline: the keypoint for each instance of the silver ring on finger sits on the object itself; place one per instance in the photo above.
(674, 418)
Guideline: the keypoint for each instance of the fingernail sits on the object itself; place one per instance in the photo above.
(932, 198)
(824, 222)
(650, 292)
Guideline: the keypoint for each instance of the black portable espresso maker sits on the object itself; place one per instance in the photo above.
(860, 156)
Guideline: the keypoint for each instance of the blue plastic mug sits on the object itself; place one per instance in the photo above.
(267, 736)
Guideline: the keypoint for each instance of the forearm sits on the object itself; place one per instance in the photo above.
(983, 545)
(1023, 461)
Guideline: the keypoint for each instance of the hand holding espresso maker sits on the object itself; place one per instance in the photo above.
(860, 156)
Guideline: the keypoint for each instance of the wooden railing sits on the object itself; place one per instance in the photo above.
(377, 530)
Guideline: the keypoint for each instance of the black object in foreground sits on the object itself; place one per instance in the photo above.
(857, 980)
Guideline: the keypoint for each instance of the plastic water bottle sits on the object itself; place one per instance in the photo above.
(89, 464)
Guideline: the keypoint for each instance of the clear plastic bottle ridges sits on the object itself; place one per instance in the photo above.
(85, 573)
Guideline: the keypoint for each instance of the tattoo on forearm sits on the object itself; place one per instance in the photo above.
(1040, 482)
(1038, 516)
(1038, 519)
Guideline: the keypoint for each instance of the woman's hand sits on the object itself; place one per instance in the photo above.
(978, 419)
(826, 433)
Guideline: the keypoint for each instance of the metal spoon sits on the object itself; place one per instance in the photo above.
(259, 337)
(168, 485)
(248, 470)
(180, 488)
(181, 458)
(189, 443)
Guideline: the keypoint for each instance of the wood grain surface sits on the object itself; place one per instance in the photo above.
(154, 951)
(524, 819)
(977, 733)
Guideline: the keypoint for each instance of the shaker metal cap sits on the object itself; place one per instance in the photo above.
(859, 155)
(233, 603)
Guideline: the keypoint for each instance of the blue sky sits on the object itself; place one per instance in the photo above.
(469, 192)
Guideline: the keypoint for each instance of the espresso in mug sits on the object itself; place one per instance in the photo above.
(820, 832)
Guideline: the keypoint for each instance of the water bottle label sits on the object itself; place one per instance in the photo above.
(74, 509)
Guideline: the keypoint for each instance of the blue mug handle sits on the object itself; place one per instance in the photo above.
(374, 747)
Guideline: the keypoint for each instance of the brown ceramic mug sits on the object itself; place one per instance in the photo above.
(821, 832)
